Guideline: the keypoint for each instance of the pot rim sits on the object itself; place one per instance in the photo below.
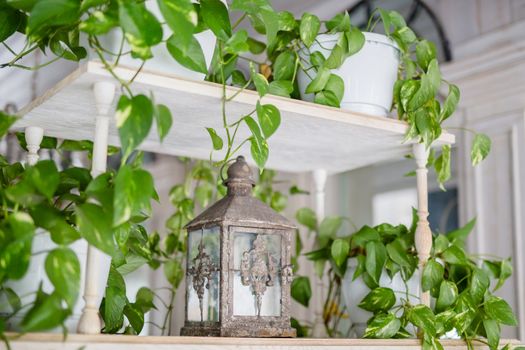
(369, 36)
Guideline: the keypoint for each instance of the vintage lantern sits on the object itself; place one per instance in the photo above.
(238, 272)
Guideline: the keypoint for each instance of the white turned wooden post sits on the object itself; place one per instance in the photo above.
(97, 266)
(319, 177)
(34, 136)
(423, 238)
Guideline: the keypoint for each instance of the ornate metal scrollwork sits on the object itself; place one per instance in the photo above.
(258, 270)
(201, 273)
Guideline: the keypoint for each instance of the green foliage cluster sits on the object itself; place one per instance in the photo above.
(461, 285)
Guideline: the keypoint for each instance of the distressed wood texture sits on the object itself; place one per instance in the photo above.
(48, 341)
(310, 137)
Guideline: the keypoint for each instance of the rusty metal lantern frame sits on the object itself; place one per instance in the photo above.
(241, 213)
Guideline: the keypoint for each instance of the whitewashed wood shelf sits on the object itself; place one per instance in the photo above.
(311, 136)
(49, 341)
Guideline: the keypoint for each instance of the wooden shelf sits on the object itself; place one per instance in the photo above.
(311, 136)
(44, 341)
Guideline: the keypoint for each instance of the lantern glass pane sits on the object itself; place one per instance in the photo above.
(257, 265)
(203, 275)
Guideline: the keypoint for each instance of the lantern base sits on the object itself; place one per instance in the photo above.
(248, 331)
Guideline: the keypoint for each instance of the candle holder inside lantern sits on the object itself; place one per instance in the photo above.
(238, 272)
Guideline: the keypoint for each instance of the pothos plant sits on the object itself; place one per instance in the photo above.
(65, 205)
(75, 29)
(461, 285)
(416, 92)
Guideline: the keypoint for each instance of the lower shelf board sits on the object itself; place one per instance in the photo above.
(49, 341)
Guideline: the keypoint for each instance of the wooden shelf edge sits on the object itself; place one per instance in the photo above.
(218, 341)
(210, 89)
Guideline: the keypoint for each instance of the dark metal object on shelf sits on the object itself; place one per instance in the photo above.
(238, 265)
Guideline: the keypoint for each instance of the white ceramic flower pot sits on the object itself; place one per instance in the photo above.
(369, 75)
(162, 60)
(355, 291)
(28, 285)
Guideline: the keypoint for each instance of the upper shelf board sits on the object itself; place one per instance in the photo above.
(310, 137)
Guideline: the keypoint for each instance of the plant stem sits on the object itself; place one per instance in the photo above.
(167, 317)
(239, 20)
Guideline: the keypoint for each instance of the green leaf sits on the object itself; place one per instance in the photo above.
(363, 236)
(307, 217)
(422, 316)
(261, 84)
(382, 326)
(259, 152)
(428, 88)
(10, 19)
(44, 177)
(135, 316)
(281, 88)
(284, 66)
(87, 4)
(191, 56)
(492, 329)
(95, 225)
(237, 43)
(286, 21)
(505, 272)
(255, 46)
(6, 121)
(328, 229)
(174, 272)
(479, 284)
(12, 298)
(460, 234)
(47, 14)
(181, 17)
(46, 313)
(238, 78)
(317, 59)
(379, 299)
(407, 92)
(336, 57)
(451, 102)
(448, 294)
(63, 270)
(215, 139)
(141, 28)
(455, 255)
(335, 85)
(98, 23)
(432, 275)
(385, 18)
(269, 118)
(327, 98)
(114, 302)
(480, 148)
(163, 119)
(498, 309)
(52, 220)
(442, 165)
(320, 81)
(355, 39)
(134, 118)
(255, 130)
(340, 249)
(398, 252)
(339, 23)
(203, 194)
(215, 15)
(375, 259)
(309, 28)
(133, 192)
(301, 290)
(425, 52)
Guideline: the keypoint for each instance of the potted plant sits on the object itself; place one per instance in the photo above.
(377, 267)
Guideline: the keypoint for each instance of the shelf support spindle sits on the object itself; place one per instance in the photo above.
(97, 266)
(34, 136)
(319, 177)
(423, 237)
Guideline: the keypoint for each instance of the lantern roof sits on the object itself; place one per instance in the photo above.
(239, 206)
